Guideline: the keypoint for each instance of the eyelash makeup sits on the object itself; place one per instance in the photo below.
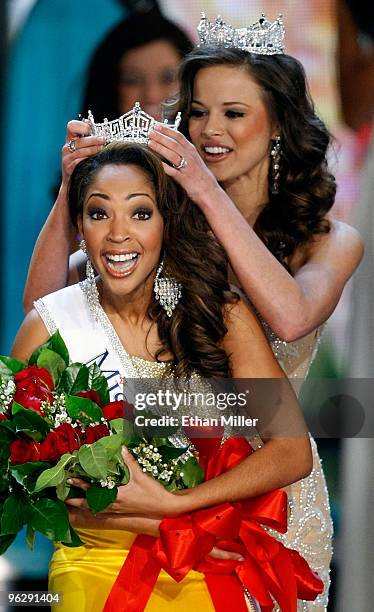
(231, 114)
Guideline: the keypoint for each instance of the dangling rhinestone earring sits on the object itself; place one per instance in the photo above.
(92, 292)
(276, 155)
(167, 291)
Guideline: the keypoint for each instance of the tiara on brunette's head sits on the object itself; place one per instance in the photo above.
(263, 37)
(133, 126)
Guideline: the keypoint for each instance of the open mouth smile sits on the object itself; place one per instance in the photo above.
(215, 153)
(120, 264)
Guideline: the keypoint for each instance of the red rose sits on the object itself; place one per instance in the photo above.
(58, 442)
(91, 395)
(95, 433)
(33, 386)
(2, 417)
(118, 410)
(22, 451)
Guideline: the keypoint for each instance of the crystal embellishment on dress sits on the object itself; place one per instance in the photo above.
(263, 37)
(133, 126)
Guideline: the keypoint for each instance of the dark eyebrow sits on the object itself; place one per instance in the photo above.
(224, 104)
(136, 195)
(98, 195)
(104, 196)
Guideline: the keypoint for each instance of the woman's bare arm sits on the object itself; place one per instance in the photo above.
(282, 460)
(30, 336)
(50, 267)
(292, 305)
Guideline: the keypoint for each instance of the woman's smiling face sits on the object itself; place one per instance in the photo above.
(123, 229)
(229, 123)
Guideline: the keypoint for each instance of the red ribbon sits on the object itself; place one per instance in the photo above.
(269, 570)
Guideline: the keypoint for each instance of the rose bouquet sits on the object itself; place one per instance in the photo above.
(56, 423)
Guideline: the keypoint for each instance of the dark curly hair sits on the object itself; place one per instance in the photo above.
(306, 187)
(101, 92)
(191, 255)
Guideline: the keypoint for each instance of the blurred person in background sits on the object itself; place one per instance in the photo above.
(137, 61)
(355, 62)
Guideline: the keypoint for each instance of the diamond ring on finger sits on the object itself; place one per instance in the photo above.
(182, 164)
(72, 146)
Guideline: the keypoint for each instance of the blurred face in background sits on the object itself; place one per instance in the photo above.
(148, 75)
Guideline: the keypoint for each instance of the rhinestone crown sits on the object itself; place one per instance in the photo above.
(263, 37)
(133, 126)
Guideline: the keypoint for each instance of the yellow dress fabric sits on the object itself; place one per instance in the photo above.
(85, 575)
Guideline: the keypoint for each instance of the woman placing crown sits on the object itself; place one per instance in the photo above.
(153, 318)
(253, 159)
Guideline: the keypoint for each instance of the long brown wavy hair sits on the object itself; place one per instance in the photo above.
(191, 255)
(306, 187)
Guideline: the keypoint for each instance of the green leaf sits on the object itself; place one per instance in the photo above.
(8, 426)
(6, 541)
(98, 382)
(26, 474)
(9, 366)
(55, 344)
(98, 498)
(82, 409)
(75, 379)
(21, 470)
(74, 539)
(193, 473)
(62, 490)
(12, 519)
(52, 362)
(27, 420)
(5, 439)
(112, 444)
(50, 517)
(30, 536)
(171, 452)
(126, 429)
(94, 460)
(4, 483)
(53, 476)
(126, 475)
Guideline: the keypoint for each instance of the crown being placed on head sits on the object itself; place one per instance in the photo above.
(133, 126)
(263, 37)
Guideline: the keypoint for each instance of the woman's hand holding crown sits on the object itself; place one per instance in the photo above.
(79, 145)
(193, 175)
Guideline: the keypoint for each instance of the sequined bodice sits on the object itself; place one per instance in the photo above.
(295, 357)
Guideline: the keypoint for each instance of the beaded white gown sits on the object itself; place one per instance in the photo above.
(310, 526)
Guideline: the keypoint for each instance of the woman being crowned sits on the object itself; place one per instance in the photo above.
(159, 305)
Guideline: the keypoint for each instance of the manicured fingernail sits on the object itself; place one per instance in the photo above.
(240, 558)
(70, 481)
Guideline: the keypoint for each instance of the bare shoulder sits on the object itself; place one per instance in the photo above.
(240, 316)
(31, 334)
(342, 239)
(245, 343)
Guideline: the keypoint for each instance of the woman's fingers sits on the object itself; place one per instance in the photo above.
(218, 553)
(76, 146)
(76, 129)
(78, 482)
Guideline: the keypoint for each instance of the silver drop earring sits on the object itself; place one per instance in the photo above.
(167, 291)
(275, 165)
(92, 292)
